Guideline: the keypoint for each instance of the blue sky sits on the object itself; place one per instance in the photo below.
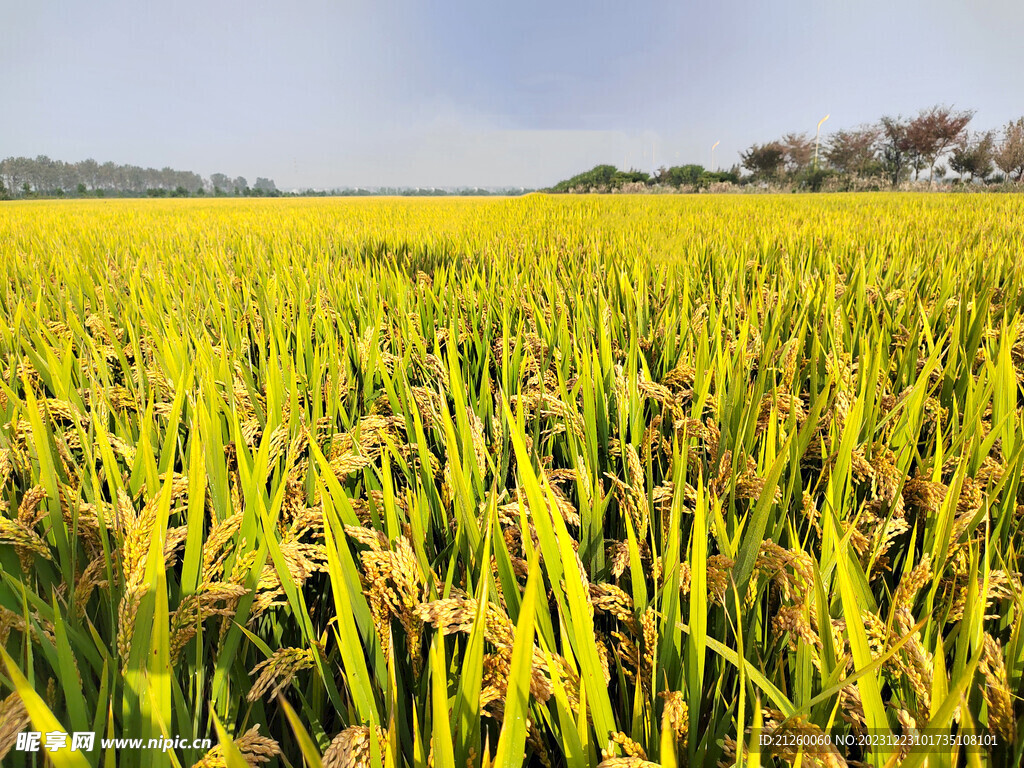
(446, 93)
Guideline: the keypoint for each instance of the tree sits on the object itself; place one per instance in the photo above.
(732, 176)
(854, 151)
(221, 183)
(44, 176)
(895, 148)
(764, 161)
(972, 156)
(88, 171)
(680, 175)
(1009, 155)
(266, 186)
(917, 143)
(9, 173)
(107, 176)
(798, 151)
(55, 177)
(934, 131)
(241, 185)
(602, 178)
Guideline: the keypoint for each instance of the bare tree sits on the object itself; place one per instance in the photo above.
(1009, 155)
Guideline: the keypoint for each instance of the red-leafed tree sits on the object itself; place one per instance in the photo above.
(932, 133)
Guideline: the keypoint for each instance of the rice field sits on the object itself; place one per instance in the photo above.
(600, 481)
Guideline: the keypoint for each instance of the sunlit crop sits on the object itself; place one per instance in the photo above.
(541, 481)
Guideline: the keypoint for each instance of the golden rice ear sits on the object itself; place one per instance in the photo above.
(255, 749)
(351, 748)
(998, 697)
(14, 719)
(274, 674)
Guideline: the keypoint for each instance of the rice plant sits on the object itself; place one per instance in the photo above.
(552, 482)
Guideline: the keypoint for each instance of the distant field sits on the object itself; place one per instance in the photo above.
(614, 480)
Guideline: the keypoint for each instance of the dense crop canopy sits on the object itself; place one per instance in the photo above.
(558, 482)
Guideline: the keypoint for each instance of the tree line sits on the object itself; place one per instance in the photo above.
(43, 177)
(608, 178)
(936, 145)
